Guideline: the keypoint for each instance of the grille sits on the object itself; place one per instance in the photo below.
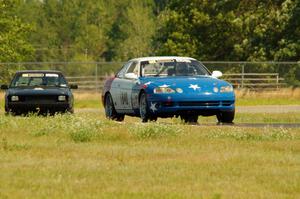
(212, 103)
(227, 103)
(39, 98)
(206, 103)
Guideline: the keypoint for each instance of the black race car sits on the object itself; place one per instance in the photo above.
(38, 91)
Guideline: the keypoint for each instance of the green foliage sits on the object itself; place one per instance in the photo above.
(14, 44)
(138, 29)
(232, 30)
(100, 30)
(229, 30)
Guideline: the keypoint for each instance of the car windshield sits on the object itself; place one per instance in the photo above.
(173, 68)
(39, 80)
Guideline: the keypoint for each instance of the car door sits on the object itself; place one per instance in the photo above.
(126, 85)
(115, 91)
(122, 87)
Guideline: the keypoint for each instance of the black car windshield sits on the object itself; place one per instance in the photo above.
(39, 80)
(173, 68)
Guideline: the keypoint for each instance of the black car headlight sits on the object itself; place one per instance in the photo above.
(62, 98)
(14, 98)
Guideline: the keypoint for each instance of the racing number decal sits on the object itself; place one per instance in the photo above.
(124, 98)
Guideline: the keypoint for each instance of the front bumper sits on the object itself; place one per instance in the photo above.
(20, 107)
(200, 104)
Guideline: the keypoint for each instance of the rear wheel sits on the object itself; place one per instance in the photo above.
(110, 111)
(226, 116)
(191, 119)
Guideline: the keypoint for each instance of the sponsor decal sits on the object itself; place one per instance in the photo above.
(33, 75)
(164, 86)
(194, 86)
(153, 107)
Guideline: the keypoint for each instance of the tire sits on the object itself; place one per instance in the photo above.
(70, 110)
(226, 116)
(144, 109)
(110, 111)
(191, 119)
(153, 118)
(6, 110)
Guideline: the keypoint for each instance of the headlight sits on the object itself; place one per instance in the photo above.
(163, 90)
(62, 98)
(14, 98)
(226, 89)
(215, 89)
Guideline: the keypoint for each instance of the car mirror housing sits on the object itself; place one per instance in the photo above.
(216, 74)
(131, 76)
(4, 87)
(73, 86)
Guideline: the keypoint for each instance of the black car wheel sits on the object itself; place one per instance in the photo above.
(153, 118)
(226, 116)
(191, 119)
(110, 111)
(144, 109)
(70, 110)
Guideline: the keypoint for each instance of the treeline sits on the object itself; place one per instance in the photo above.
(106, 30)
(117, 30)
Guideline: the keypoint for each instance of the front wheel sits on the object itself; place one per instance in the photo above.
(191, 119)
(144, 109)
(110, 111)
(226, 116)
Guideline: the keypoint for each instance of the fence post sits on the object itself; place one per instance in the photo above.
(243, 75)
(96, 77)
(277, 81)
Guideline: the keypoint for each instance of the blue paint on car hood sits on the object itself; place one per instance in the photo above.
(189, 85)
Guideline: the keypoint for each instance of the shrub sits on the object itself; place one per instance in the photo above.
(156, 130)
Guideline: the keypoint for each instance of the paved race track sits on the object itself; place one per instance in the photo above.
(239, 109)
(243, 109)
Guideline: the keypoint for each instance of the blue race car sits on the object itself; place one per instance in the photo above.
(153, 87)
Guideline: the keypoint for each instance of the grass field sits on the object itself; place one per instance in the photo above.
(86, 156)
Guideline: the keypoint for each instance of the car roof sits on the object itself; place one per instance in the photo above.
(39, 71)
(162, 58)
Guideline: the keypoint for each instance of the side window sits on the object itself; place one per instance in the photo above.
(133, 68)
(121, 73)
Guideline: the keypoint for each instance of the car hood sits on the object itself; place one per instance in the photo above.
(190, 84)
(38, 91)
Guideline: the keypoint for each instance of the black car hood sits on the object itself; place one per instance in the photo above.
(38, 91)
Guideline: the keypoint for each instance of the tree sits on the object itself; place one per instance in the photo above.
(138, 29)
(14, 44)
(231, 29)
(14, 34)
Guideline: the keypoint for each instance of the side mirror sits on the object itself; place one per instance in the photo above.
(131, 76)
(4, 87)
(73, 86)
(216, 74)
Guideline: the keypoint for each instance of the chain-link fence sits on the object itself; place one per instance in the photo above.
(90, 75)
